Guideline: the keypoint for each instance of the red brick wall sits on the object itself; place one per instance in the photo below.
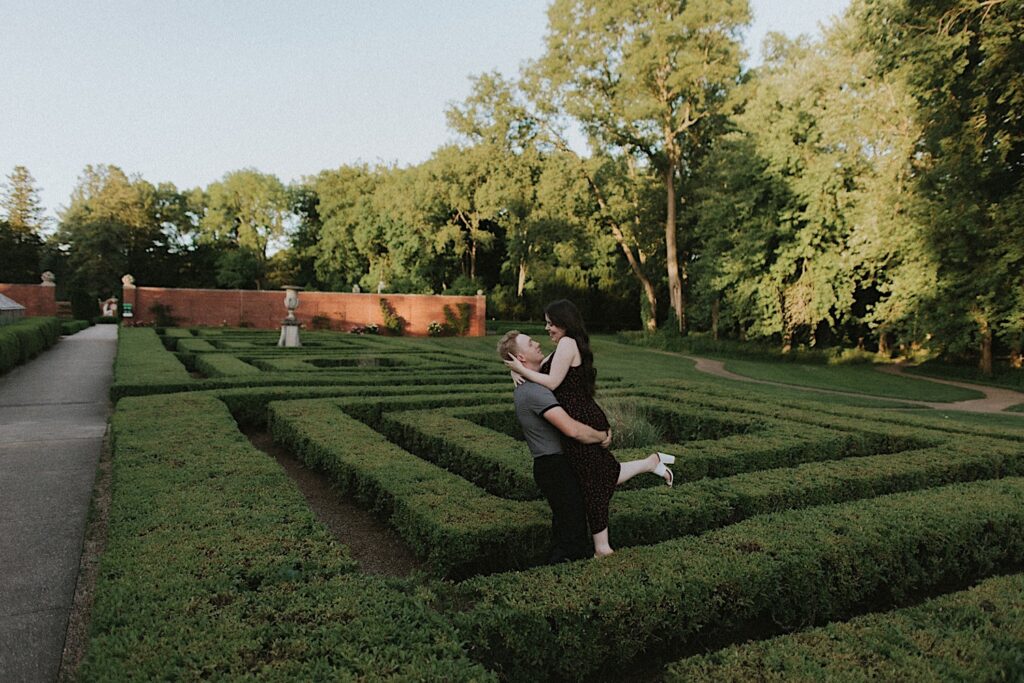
(265, 309)
(37, 299)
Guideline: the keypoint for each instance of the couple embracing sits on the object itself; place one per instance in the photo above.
(568, 434)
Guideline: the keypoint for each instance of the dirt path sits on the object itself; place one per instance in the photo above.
(376, 547)
(995, 400)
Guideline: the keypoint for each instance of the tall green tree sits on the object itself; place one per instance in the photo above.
(459, 177)
(304, 205)
(21, 204)
(640, 75)
(807, 209)
(110, 228)
(963, 62)
(21, 228)
(246, 210)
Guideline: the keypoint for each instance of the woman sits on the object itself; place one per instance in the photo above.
(569, 372)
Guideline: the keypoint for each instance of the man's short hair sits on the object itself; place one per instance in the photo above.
(509, 344)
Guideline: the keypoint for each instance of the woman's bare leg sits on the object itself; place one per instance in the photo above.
(601, 546)
(628, 470)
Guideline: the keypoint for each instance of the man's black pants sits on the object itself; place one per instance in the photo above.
(558, 483)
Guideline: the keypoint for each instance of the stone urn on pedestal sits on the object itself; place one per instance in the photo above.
(290, 326)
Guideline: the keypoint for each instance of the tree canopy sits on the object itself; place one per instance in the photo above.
(864, 188)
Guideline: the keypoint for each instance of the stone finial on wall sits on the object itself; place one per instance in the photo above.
(49, 279)
(128, 281)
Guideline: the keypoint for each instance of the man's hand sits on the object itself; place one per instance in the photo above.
(607, 440)
(575, 430)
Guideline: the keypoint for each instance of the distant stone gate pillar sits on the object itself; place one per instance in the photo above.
(129, 295)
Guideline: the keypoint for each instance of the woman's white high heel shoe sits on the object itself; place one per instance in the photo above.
(661, 471)
(665, 458)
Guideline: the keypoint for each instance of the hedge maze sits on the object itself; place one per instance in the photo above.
(801, 540)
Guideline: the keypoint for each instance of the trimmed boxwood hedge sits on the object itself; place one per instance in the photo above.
(458, 529)
(972, 635)
(70, 327)
(495, 462)
(216, 568)
(359, 459)
(223, 365)
(141, 358)
(25, 339)
(769, 574)
(144, 367)
(251, 590)
(249, 405)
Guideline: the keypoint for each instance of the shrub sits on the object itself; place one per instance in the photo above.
(215, 567)
(70, 327)
(141, 358)
(768, 574)
(393, 323)
(322, 436)
(25, 339)
(457, 323)
(162, 316)
(223, 365)
(970, 635)
(320, 322)
(631, 425)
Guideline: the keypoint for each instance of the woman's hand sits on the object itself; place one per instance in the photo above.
(515, 365)
(517, 379)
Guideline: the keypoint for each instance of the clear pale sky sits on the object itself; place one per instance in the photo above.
(186, 91)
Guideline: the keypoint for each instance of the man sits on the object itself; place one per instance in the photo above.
(544, 421)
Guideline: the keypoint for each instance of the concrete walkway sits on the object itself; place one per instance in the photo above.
(53, 417)
(995, 401)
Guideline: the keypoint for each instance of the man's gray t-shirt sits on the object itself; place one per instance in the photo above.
(532, 401)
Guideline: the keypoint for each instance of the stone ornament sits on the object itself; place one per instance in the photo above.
(128, 281)
(49, 279)
(290, 326)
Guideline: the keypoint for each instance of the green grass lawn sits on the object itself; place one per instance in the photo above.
(1004, 377)
(857, 379)
(638, 365)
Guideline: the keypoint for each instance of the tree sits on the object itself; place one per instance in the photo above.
(304, 204)
(110, 228)
(962, 61)
(374, 229)
(640, 75)
(20, 230)
(247, 209)
(343, 199)
(459, 176)
(21, 204)
(807, 208)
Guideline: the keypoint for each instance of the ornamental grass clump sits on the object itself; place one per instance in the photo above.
(632, 426)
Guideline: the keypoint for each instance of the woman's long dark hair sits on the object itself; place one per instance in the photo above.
(563, 313)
